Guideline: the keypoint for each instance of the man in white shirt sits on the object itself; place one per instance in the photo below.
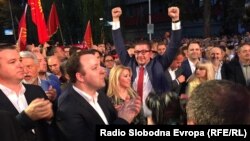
(189, 65)
(148, 74)
(216, 57)
(27, 102)
(81, 107)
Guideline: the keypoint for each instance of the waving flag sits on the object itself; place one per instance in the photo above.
(87, 40)
(38, 19)
(22, 31)
(53, 21)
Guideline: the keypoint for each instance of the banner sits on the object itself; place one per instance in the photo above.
(87, 40)
(53, 21)
(38, 19)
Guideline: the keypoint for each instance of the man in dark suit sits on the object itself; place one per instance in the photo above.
(153, 78)
(189, 65)
(174, 74)
(27, 103)
(238, 70)
(81, 107)
(10, 130)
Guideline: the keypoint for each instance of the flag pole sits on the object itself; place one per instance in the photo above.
(12, 22)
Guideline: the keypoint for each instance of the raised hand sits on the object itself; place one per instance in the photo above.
(116, 13)
(174, 13)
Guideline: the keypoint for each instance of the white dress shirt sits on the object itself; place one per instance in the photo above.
(192, 66)
(172, 73)
(218, 75)
(147, 88)
(92, 100)
(17, 99)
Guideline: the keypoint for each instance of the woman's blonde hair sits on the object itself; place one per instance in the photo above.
(208, 66)
(114, 84)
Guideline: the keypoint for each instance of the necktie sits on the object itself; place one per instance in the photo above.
(140, 82)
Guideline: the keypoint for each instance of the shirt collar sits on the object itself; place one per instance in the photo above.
(86, 96)
(7, 90)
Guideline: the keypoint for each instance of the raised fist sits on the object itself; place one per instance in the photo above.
(174, 13)
(116, 13)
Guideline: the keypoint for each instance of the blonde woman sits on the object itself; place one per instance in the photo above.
(120, 90)
(204, 71)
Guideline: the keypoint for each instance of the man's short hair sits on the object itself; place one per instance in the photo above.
(219, 102)
(28, 54)
(4, 46)
(143, 42)
(74, 65)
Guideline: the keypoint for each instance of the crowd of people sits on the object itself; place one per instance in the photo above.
(54, 93)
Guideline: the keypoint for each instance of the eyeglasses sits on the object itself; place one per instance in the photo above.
(143, 52)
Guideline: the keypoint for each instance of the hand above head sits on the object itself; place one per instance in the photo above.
(39, 109)
(174, 13)
(116, 13)
(130, 109)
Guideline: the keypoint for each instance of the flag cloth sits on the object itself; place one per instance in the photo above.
(87, 40)
(38, 19)
(22, 31)
(53, 21)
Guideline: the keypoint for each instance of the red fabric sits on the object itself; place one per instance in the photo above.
(22, 32)
(87, 40)
(53, 21)
(140, 82)
(38, 19)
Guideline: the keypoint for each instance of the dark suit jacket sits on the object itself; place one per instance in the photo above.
(186, 71)
(10, 129)
(173, 84)
(224, 70)
(77, 119)
(32, 92)
(156, 66)
(235, 73)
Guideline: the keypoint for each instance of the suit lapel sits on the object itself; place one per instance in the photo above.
(104, 106)
(6, 104)
(240, 73)
(149, 70)
(86, 107)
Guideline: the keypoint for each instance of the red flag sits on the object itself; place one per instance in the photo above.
(38, 19)
(22, 31)
(88, 41)
(53, 21)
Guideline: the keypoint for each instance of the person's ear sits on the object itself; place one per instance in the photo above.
(79, 77)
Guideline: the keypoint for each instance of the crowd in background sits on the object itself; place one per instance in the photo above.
(62, 93)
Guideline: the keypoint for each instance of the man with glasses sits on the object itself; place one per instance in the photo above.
(148, 74)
